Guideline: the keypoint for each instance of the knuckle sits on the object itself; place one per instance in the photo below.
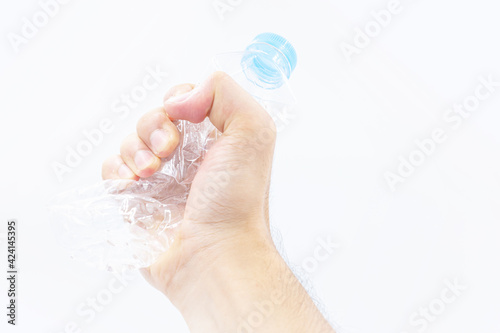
(108, 165)
(219, 76)
(148, 121)
(127, 142)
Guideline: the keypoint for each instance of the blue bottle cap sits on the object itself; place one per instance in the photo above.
(269, 60)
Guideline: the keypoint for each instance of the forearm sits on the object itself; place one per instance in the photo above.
(247, 288)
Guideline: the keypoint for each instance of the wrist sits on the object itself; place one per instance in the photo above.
(203, 258)
(238, 282)
(231, 284)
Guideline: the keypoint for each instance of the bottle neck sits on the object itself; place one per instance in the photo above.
(265, 65)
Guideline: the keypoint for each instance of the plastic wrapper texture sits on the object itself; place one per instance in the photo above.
(121, 224)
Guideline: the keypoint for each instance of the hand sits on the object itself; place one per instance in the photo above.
(223, 265)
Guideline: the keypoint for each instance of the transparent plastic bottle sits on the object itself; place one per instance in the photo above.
(120, 224)
(263, 69)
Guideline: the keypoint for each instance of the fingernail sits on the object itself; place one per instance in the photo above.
(143, 159)
(159, 140)
(125, 172)
(181, 98)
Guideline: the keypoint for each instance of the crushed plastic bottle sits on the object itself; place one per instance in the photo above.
(122, 224)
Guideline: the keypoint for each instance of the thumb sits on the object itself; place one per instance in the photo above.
(230, 108)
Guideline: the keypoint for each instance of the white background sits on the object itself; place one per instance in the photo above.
(352, 123)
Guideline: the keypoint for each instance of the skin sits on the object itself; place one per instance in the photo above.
(223, 271)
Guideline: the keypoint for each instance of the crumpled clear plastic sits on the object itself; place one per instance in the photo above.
(121, 225)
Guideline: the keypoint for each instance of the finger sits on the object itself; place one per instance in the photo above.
(230, 108)
(158, 132)
(138, 157)
(114, 168)
(178, 90)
